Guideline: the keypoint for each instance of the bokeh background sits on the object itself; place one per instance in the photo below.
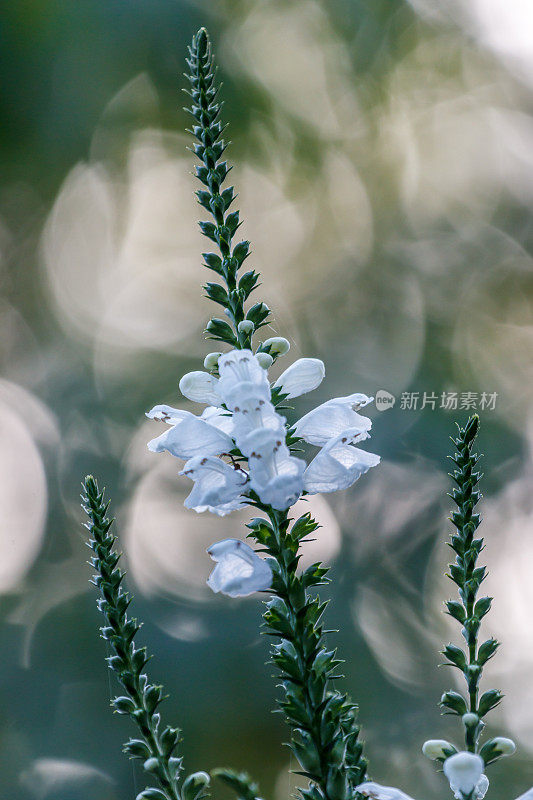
(383, 154)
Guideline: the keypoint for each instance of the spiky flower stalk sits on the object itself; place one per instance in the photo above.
(325, 734)
(471, 609)
(324, 731)
(156, 745)
(209, 148)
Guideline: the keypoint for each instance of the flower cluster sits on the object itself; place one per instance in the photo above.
(241, 423)
(465, 772)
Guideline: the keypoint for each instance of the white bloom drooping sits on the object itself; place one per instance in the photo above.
(465, 772)
(218, 487)
(339, 464)
(239, 571)
(242, 417)
(301, 377)
(378, 792)
(190, 435)
(332, 418)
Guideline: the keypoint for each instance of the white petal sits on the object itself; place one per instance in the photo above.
(482, 787)
(239, 571)
(168, 414)
(218, 487)
(378, 792)
(464, 771)
(262, 442)
(191, 437)
(329, 420)
(527, 796)
(200, 387)
(301, 377)
(338, 465)
(219, 418)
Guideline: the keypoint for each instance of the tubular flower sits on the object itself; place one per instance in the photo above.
(378, 792)
(239, 571)
(333, 418)
(190, 435)
(259, 431)
(339, 464)
(465, 774)
(218, 487)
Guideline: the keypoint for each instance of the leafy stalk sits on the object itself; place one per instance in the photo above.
(221, 229)
(155, 746)
(471, 609)
(324, 732)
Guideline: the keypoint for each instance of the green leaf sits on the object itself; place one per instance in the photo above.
(488, 701)
(486, 651)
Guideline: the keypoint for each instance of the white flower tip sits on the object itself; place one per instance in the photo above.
(277, 346)
(438, 748)
(264, 359)
(211, 361)
(199, 387)
(377, 792)
(246, 326)
(505, 747)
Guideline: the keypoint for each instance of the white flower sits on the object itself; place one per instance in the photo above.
(301, 377)
(239, 570)
(333, 418)
(339, 464)
(465, 774)
(527, 796)
(241, 376)
(190, 435)
(277, 477)
(378, 792)
(200, 387)
(218, 487)
(438, 748)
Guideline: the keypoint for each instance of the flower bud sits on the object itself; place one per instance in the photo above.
(264, 360)
(301, 377)
(470, 720)
(505, 747)
(438, 748)
(211, 361)
(246, 326)
(277, 346)
(200, 387)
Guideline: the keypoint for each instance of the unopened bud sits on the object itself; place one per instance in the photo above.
(438, 748)
(211, 361)
(277, 346)
(246, 326)
(264, 360)
(505, 747)
(470, 720)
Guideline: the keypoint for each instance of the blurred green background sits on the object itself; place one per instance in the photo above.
(383, 153)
